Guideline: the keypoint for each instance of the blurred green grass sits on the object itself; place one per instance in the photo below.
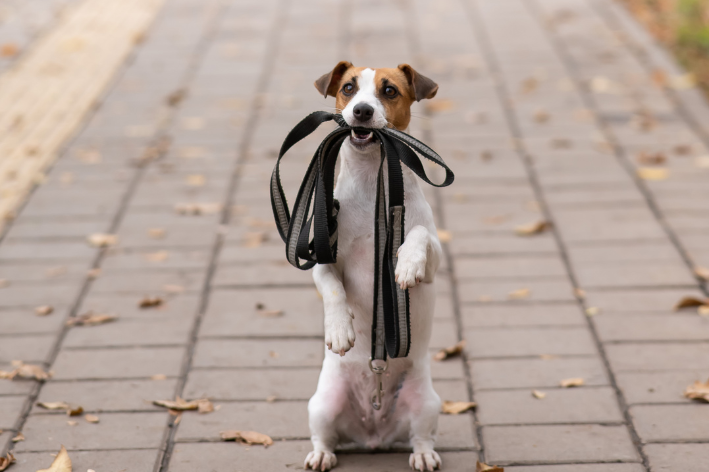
(683, 25)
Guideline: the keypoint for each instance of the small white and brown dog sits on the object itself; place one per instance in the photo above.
(341, 411)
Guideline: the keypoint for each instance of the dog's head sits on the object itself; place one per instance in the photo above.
(375, 98)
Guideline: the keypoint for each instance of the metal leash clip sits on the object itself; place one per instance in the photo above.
(378, 371)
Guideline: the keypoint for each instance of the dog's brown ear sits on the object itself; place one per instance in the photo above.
(423, 86)
(328, 83)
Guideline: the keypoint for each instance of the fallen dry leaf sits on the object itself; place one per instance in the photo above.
(9, 50)
(204, 406)
(574, 382)
(254, 239)
(548, 357)
(698, 391)
(44, 310)
(102, 239)
(455, 408)
(592, 311)
(4, 283)
(529, 85)
(18, 438)
(158, 377)
(180, 404)
(6, 461)
(651, 159)
(533, 228)
(444, 236)
(690, 302)
(26, 371)
(93, 273)
(196, 209)
(541, 116)
(196, 180)
(74, 410)
(269, 313)
(159, 256)
(439, 105)
(486, 156)
(271, 398)
(155, 151)
(151, 302)
(173, 289)
(653, 173)
(580, 293)
(72, 423)
(539, 395)
(451, 351)
(91, 418)
(90, 319)
(481, 467)
(246, 437)
(56, 271)
(176, 97)
(61, 463)
(519, 294)
(157, 233)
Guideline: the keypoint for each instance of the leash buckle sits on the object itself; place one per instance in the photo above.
(378, 371)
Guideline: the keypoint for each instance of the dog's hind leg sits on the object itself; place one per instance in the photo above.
(324, 409)
(339, 332)
(424, 423)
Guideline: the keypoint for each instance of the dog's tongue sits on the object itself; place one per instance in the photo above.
(362, 135)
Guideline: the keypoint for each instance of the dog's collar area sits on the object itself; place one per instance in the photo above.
(391, 318)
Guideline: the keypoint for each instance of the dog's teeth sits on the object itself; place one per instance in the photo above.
(353, 134)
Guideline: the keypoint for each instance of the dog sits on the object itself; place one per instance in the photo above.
(341, 409)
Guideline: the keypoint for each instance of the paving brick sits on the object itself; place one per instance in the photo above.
(456, 432)
(518, 315)
(287, 455)
(155, 258)
(528, 342)
(49, 432)
(175, 307)
(26, 321)
(117, 363)
(280, 419)
(10, 408)
(561, 405)
(499, 291)
(126, 395)
(131, 332)
(608, 224)
(658, 356)
(138, 460)
(448, 369)
(672, 457)
(652, 327)
(148, 282)
(254, 353)
(28, 295)
(46, 251)
(237, 312)
(656, 300)
(270, 273)
(475, 245)
(554, 444)
(47, 272)
(443, 333)
(25, 348)
(671, 423)
(248, 384)
(509, 267)
(633, 274)
(657, 387)
(536, 373)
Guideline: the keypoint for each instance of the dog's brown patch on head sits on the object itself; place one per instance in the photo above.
(396, 88)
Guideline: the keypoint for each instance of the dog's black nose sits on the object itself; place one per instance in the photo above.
(363, 112)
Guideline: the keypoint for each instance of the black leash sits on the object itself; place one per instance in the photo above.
(390, 323)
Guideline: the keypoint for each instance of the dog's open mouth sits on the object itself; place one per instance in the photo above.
(360, 138)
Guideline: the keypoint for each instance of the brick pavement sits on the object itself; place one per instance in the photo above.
(247, 68)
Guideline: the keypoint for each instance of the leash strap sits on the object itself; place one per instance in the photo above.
(315, 210)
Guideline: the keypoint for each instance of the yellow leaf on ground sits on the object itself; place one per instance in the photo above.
(158, 256)
(539, 395)
(444, 236)
(9, 50)
(151, 302)
(156, 233)
(61, 463)
(26, 371)
(19, 437)
(690, 302)
(533, 228)
(592, 311)
(698, 391)
(519, 294)
(481, 467)
(53, 405)
(451, 351)
(102, 240)
(180, 404)
(653, 173)
(247, 437)
(573, 382)
(455, 408)
(158, 377)
(90, 319)
(91, 418)
(6, 461)
(44, 310)
(204, 406)
(254, 239)
(702, 273)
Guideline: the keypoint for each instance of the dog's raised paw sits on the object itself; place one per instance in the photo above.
(320, 460)
(410, 267)
(339, 332)
(425, 461)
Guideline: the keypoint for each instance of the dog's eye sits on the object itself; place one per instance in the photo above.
(348, 89)
(390, 91)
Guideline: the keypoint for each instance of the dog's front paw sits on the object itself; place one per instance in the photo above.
(320, 460)
(425, 461)
(339, 332)
(410, 266)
